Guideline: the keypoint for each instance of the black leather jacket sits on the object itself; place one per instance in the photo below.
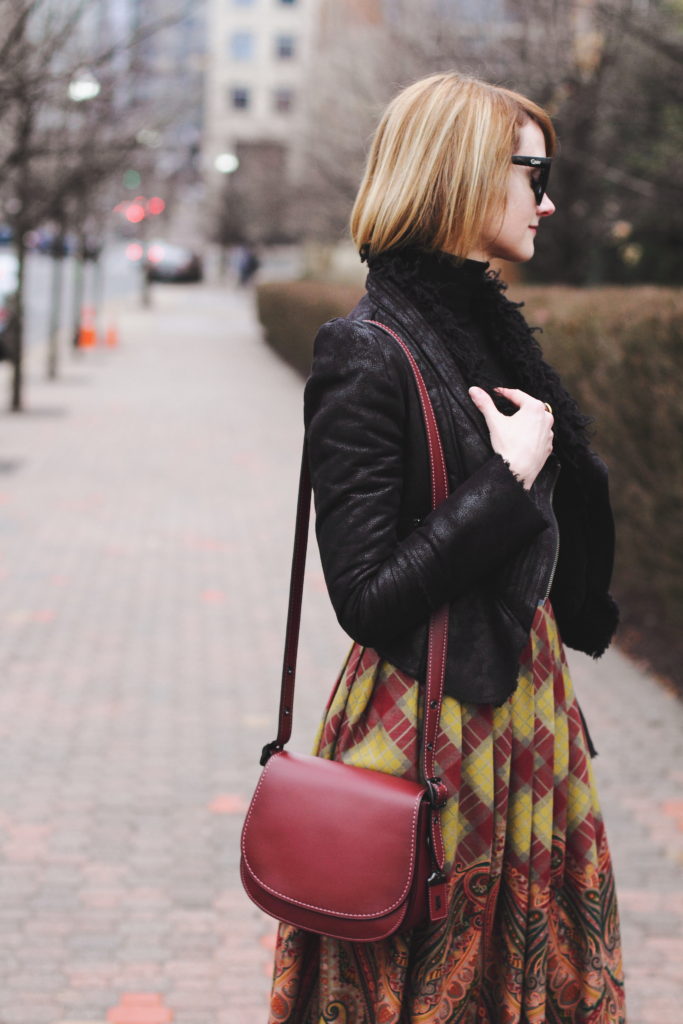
(490, 551)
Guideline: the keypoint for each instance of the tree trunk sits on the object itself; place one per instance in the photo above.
(79, 288)
(98, 293)
(17, 329)
(145, 284)
(55, 308)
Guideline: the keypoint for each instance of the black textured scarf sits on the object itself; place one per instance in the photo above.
(485, 332)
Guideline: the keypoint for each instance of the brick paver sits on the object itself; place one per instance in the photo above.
(146, 510)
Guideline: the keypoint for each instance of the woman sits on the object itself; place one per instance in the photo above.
(521, 550)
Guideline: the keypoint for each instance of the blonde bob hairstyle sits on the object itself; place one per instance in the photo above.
(439, 162)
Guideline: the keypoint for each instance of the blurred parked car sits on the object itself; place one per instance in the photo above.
(168, 262)
(9, 280)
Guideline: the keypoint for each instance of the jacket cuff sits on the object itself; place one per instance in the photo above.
(592, 630)
(486, 521)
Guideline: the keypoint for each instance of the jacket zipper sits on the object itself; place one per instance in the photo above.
(552, 571)
(557, 546)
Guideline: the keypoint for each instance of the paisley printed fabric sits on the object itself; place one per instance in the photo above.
(532, 934)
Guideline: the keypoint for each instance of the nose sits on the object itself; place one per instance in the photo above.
(546, 207)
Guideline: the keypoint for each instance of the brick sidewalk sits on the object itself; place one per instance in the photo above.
(146, 510)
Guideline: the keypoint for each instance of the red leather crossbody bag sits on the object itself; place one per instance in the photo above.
(335, 849)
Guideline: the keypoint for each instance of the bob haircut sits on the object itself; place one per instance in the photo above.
(439, 163)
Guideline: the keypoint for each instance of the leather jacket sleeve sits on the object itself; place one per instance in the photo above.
(586, 612)
(356, 416)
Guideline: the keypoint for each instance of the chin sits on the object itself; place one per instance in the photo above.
(518, 255)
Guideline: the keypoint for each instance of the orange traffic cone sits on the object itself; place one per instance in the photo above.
(112, 337)
(87, 336)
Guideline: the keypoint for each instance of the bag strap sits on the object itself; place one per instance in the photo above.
(296, 587)
(436, 645)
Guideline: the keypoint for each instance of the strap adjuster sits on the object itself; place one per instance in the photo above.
(438, 793)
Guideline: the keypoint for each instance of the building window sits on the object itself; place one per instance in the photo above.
(285, 47)
(240, 98)
(283, 100)
(242, 45)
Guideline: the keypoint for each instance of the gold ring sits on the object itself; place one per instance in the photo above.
(548, 407)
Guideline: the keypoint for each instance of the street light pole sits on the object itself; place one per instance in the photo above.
(82, 88)
(226, 164)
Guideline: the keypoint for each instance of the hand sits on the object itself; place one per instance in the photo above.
(525, 439)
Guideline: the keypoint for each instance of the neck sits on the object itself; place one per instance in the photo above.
(478, 255)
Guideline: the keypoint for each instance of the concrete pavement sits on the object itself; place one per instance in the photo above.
(146, 513)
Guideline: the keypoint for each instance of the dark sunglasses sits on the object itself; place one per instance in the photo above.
(539, 182)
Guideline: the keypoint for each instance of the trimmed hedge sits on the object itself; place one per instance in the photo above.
(620, 352)
(292, 311)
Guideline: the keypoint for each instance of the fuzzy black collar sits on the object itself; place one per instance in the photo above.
(465, 303)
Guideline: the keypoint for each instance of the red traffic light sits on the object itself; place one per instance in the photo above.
(135, 212)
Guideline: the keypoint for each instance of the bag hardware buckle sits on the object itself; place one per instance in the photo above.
(438, 794)
(270, 748)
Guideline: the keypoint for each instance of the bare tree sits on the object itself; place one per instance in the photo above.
(591, 66)
(57, 157)
(363, 59)
(32, 38)
(609, 72)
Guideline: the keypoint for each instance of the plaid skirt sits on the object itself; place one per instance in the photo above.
(532, 933)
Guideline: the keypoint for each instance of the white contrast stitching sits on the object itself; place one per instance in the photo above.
(328, 910)
(430, 417)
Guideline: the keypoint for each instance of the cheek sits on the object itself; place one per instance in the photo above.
(522, 212)
(516, 207)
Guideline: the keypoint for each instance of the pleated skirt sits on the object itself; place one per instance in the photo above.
(532, 933)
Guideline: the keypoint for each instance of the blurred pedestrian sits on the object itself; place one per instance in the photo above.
(247, 264)
(521, 551)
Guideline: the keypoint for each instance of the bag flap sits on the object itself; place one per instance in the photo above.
(332, 837)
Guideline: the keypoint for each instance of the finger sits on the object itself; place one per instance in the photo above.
(483, 402)
(514, 395)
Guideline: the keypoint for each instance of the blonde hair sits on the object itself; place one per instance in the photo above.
(439, 163)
